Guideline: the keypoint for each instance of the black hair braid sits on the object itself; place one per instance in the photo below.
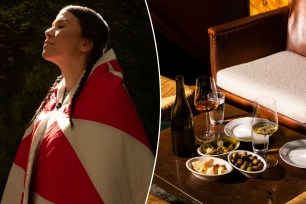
(79, 89)
(45, 100)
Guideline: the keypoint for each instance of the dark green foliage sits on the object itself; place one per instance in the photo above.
(25, 77)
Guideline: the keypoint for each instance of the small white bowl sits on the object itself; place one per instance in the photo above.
(226, 140)
(249, 174)
(207, 176)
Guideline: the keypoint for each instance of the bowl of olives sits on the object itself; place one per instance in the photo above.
(248, 163)
(219, 147)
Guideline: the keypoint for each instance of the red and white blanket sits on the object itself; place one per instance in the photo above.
(105, 158)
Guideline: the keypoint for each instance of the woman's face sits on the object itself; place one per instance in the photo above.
(63, 40)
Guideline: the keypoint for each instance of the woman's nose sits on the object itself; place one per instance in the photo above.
(48, 32)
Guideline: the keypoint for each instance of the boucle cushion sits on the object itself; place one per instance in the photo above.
(281, 75)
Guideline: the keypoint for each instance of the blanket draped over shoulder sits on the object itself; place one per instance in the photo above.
(104, 158)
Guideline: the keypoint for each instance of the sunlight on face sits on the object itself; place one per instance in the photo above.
(63, 39)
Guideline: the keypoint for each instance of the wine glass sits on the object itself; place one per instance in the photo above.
(204, 86)
(264, 124)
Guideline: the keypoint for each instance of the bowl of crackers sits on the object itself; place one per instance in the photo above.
(209, 168)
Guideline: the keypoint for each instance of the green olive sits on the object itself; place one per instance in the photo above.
(234, 155)
(255, 161)
(256, 168)
(243, 166)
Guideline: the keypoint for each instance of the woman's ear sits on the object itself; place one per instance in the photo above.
(86, 45)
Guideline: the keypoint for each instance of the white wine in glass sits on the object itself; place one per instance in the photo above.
(204, 86)
(264, 124)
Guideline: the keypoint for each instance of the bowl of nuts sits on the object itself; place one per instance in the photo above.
(248, 163)
(219, 147)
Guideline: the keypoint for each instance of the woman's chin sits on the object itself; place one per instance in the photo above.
(44, 55)
(47, 57)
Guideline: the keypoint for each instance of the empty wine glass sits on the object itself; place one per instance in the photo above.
(204, 86)
(264, 124)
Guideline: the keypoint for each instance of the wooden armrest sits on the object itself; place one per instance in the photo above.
(247, 39)
(300, 199)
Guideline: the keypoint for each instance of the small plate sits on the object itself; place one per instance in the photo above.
(239, 128)
(294, 153)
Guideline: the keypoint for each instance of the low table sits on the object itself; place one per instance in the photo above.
(279, 184)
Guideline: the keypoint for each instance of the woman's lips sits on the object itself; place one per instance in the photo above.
(48, 42)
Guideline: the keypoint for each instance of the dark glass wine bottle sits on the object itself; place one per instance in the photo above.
(182, 127)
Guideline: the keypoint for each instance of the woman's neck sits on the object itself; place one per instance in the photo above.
(71, 79)
(72, 72)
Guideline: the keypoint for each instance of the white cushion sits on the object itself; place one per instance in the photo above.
(281, 75)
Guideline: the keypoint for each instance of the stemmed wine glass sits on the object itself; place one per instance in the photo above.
(204, 86)
(264, 124)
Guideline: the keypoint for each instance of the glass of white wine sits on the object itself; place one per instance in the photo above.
(264, 124)
(204, 86)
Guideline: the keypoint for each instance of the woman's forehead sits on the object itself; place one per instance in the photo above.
(64, 15)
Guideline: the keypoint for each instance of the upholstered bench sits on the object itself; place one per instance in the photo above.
(281, 75)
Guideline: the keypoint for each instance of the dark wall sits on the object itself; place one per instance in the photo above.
(174, 60)
(185, 25)
(25, 77)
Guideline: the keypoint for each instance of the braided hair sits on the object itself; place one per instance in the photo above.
(94, 28)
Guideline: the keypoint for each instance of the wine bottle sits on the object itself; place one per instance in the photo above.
(182, 125)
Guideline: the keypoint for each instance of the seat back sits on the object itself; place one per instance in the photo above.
(296, 34)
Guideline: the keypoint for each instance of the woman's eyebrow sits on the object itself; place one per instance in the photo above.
(61, 19)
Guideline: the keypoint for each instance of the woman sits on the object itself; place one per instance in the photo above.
(85, 143)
